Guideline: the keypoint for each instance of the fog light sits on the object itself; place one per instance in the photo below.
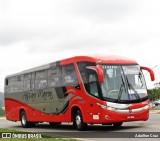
(107, 117)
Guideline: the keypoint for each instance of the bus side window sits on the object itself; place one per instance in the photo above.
(18, 83)
(33, 80)
(6, 82)
(9, 85)
(93, 88)
(87, 77)
(41, 79)
(69, 77)
(27, 82)
(54, 77)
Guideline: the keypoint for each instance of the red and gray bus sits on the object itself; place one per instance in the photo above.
(82, 90)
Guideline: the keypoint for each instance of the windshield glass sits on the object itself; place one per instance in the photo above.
(123, 83)
(135, 81)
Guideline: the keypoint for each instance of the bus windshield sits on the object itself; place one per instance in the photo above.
(123, 83)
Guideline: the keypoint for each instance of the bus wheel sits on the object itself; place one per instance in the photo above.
(54, 123)
(78, 121)
(24, 121)
(118, 124)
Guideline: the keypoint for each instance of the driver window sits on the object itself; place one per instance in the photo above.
(93, 85)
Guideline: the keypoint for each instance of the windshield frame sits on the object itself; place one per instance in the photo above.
(126, 86)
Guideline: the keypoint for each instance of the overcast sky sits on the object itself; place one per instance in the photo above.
(36, 32)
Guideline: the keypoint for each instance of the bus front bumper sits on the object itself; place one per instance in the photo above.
(114, 116)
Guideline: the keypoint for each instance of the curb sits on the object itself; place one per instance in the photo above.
(2, 117)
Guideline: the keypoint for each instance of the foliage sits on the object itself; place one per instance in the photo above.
(2, 112)
(154, 94)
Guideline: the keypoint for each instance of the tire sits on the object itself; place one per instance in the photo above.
(54, 123)
(24, 121)
(78, 121)
(118, 124)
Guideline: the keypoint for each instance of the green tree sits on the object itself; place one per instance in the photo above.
(154, 94)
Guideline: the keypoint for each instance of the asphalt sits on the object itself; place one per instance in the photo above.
(94, 132)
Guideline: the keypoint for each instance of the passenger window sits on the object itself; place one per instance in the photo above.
(69, 76)
(54, 77)
(41, 79)
(27, 82)
(6, 82)
(33, 80)
(9, 85)
(18, 84)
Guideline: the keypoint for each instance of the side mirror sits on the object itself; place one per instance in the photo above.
(99, 72)
(150, 71)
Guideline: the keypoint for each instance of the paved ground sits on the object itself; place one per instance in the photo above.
(96, 132)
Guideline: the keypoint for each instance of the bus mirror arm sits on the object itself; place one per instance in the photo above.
(150, 71)
(99, 72)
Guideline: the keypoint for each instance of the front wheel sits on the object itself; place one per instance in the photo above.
(78, 121)
(118, 124)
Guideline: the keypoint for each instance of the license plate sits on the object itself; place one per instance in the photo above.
(130, 117)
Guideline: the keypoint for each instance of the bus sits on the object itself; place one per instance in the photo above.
(107, 90)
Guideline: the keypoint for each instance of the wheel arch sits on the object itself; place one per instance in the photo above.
(74, 109)
(21, 110)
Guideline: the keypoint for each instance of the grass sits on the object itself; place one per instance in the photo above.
(45, 137)
(155, 108)
(2, 112)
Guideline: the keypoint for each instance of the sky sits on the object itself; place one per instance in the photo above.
(36, 32)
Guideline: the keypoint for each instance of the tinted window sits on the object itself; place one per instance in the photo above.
(9, 86)
(6, 82)
(27, 82)
(33, 80)
(18, 84)
(54, 77)
(69, 75)
(93, 87)
(41, 74)
(83, 71)
(89, 78)
(41, 79)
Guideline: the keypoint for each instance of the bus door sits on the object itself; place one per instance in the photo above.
(94, 91)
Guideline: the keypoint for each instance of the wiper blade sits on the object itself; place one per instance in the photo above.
(132, 88)
(120, 90)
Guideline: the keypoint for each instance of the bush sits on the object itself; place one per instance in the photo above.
(2, 112)
(154, 94)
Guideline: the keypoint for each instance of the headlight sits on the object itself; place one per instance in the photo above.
(111, 108)
(102, 106)
(106, 107)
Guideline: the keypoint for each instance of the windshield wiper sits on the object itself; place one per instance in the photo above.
(132, 88)
(120, 90)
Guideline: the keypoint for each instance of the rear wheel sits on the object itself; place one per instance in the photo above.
(118, 124)
(24, 121)
(78, 121)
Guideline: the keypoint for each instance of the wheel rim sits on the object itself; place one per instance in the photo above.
(78, 120)
(23, 119)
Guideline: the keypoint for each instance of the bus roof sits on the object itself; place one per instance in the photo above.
(98, 59)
